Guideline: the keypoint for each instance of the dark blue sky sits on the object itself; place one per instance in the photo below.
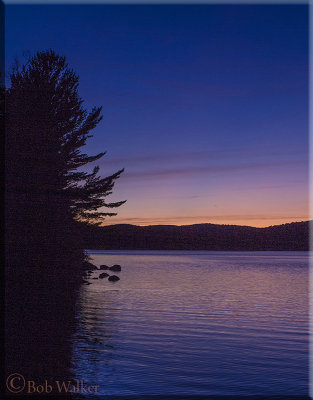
(206, 106)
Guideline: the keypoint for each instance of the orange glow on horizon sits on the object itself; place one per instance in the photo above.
(231, 199)
(257, 222)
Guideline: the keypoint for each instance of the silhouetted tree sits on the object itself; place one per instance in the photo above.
(46, 188)
(47, 192)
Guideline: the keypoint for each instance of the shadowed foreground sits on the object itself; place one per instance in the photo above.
(40, 320)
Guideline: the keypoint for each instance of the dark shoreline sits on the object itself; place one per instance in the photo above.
(40, 309)
(208, 237)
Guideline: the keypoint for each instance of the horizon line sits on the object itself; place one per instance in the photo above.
(208, 223)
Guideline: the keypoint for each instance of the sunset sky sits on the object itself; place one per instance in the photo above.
(205, 106)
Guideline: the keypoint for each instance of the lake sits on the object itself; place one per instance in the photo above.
(195, 323)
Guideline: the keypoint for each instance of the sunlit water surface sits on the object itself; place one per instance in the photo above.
(205, 323)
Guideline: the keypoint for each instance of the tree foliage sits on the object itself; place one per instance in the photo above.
(48, 186)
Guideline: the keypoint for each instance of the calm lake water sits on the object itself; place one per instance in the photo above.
(195, 323)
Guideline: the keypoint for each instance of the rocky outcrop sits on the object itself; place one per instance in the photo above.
(113, 278)
(115, 268)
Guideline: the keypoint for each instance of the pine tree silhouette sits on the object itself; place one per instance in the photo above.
(46, 188)
(47, 193)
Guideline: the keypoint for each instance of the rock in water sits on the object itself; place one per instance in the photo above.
(114, 278)
(115, 267)
(103, 275)
(104, 267)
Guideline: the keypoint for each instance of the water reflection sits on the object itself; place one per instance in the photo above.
(96, 334)
(196, 323)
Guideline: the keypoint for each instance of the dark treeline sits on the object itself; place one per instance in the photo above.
(293, 236)
(47, 192)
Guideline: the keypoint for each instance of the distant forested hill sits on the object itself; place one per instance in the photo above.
(293, 236)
